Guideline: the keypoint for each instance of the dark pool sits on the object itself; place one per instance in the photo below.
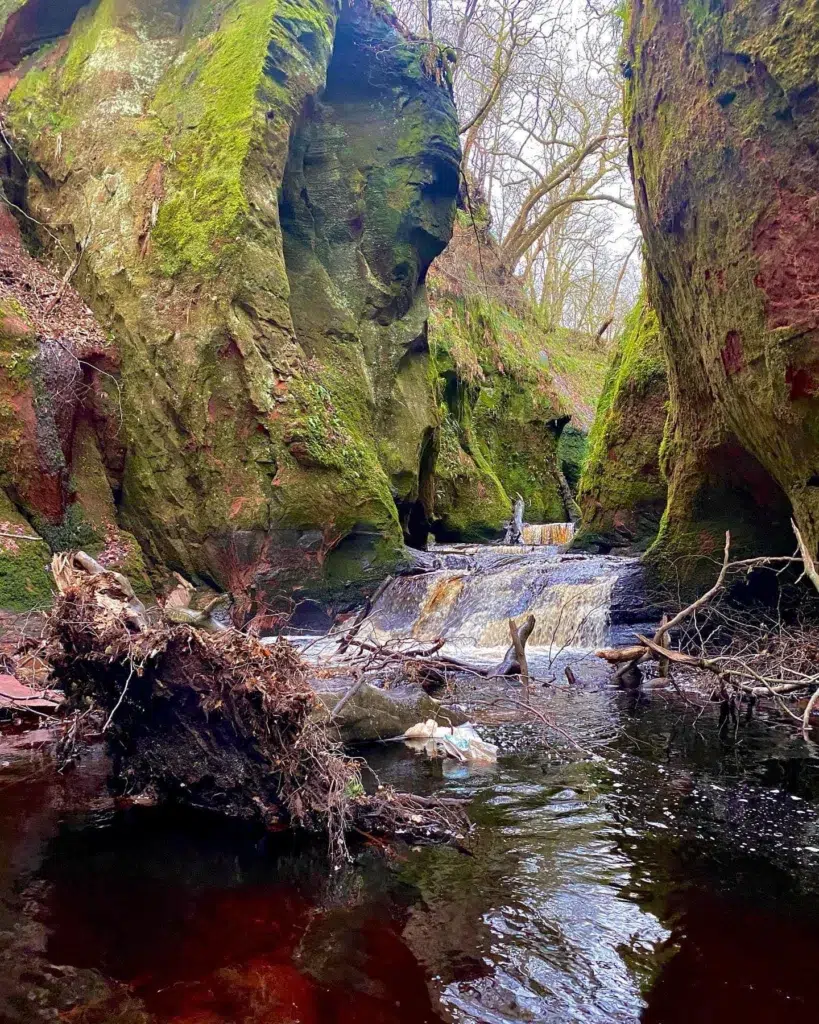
(673, 878)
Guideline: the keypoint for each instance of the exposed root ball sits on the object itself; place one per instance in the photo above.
(219, 722)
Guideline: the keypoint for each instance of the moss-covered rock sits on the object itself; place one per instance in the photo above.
(501, 418)
(572, 452)
(722, 103)
(623, 493)
(25, 582)
(261, 186)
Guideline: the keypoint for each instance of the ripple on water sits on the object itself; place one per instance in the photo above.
(674, 878)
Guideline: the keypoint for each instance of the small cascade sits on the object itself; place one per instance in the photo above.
(559, 534)
(471, 607)
(573, 614)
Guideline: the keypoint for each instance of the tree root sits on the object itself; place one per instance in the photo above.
(218, 722)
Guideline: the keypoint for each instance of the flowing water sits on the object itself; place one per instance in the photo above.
(671, 877)
(548, 533)
(473, 591)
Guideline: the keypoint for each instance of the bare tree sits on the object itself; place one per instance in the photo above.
(539, 101)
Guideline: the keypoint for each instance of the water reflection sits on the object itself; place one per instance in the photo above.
(673, 879)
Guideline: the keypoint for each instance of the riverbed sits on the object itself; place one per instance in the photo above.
(667, 872)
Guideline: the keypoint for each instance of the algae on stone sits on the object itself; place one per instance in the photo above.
(261, 185)
(25, 583)
(722, 105)
(622, 492)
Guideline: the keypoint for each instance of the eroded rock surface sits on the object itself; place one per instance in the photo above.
(722, 102)
(623, 492)
(256, 190)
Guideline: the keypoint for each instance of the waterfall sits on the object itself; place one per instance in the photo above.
(548, 533)
(471, 608)
(573, 615)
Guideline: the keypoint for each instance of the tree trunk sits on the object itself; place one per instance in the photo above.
(514, 531)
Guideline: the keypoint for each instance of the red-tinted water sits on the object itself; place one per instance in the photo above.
(676, 884)
(201, 954)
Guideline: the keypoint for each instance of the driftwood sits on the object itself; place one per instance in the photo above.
(514, 531)
(515, 663)
(347, 697)
(808, 712)
(807, 557)
(740, 676)
(614, 655)
(113, 592)
(571, 506)
(213, 721)
(202, 619)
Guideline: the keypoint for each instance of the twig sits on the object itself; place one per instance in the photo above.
(97, 369)
(703, 600)
(363, 614)
(348, 696)
(808, 712)
(121, 699)
(13, 703)
(72, 270)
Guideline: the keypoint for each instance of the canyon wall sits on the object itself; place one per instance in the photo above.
(623, 493)
(247, 196)
(722, 108)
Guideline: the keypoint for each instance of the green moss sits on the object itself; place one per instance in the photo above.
(221, 82)
(622, 492)
(74, 532)
(501, 417)
(8, 7)
(221, 76)
(24, 580)
(25, 583)
(131, 563)
(572, 450)
(722, 112)
(253, 403)
(18, 344)
(88, 31)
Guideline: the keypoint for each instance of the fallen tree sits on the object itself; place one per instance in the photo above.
(761, 661)
(214, 721)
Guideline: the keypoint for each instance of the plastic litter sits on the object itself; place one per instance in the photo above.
(460, 742)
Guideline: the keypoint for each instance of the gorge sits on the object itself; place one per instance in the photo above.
(313, 333)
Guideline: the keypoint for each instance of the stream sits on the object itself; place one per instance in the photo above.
(672, 876)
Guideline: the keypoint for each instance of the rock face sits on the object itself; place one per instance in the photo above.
(722, 103)
(502, 412)
(501, 420)
(56, 383)
(622, 492)
(252, 192)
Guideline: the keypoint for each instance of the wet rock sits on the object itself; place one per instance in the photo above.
(722, 110)
(374, 714)
(311, 616)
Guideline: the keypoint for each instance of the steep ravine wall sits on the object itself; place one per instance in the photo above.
(501, 419)
(256, 190)
(722, 105)
(508, 388)
(622, 491)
